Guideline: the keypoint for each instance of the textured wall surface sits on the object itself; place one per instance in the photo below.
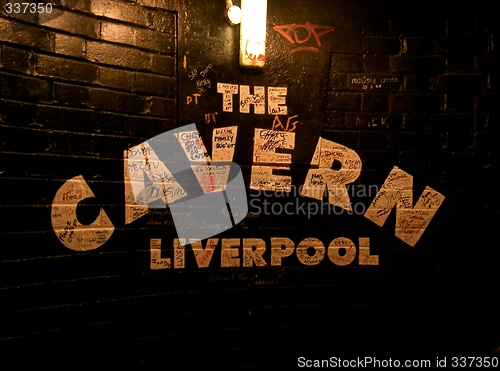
(392, 110)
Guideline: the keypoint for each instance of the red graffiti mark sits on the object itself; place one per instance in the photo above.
(290, 32)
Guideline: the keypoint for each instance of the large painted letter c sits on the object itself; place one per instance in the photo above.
(69, 230)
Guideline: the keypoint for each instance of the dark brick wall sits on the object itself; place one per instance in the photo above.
(396, 85)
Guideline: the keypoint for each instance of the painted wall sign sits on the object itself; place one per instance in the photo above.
(276, 98)
(70, 232)
(150, 177)
(250, 252)
(411, 220)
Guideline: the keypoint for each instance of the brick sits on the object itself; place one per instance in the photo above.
(348, 138)
(415, 121)
(116, 55)
(333, 120)
(70, 45)
(121, 11)
(492, 122)
(24, 187)
(459, 102)
(25, 88)
(154, 84)
(373, 140)
(373, 102)
(494, 81)
(415, 102)
(162, 107)
(418, 45)
(116, 78)
(118, 33)
(417, 64)
(115, 101)
(165, 22)
(461, 25)
(346, 63)
(419, 160)
(79, 119)
(23, 34)
(459, 82)
(451, 122)
(65, 20)
(81, 143)
(487, 63)
(342, 100)
(75, 4)
(66, 69)
(22, 140)
(459, 141)
(50, 117)
(111, 123)
(488, 102)
(18, 60)
(155, 41)
(417, 83)
(71, 95)
(378, 159)
(337, 81)
(417, 26)
(376, 63)
(459, 62)
(381, 45)
(475, 44)
(146, 127)
(162, 64)
(416, 141)
(18, 114)
(373, 26)
(160, 4)
(486, 141)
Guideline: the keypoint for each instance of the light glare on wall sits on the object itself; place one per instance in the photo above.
(253, 33)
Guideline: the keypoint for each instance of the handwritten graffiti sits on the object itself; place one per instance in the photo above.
(189, 98)
(277, 124)
(296, 35)
(209, 117)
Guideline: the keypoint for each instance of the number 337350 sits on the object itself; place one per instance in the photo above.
(28, 8)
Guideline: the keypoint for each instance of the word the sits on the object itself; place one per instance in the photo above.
(28, 8)
(249, 252)
(275, 101)
(289, 30)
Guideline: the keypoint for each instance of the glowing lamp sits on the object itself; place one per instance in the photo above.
(253, 33)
